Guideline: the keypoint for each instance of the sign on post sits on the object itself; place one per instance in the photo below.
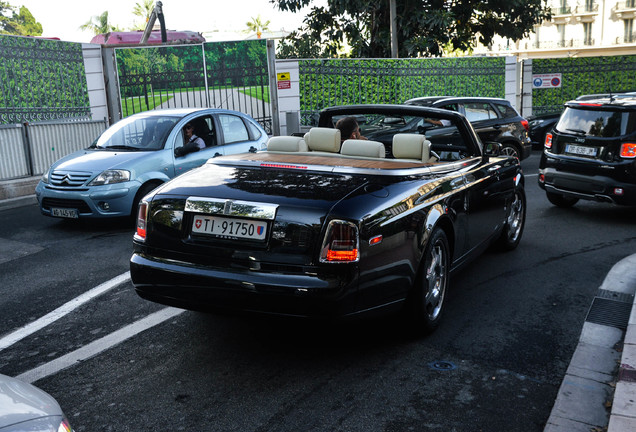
(283, 80)
(552, 80)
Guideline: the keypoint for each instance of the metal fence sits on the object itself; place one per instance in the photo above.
(228, 75)
(28, 149)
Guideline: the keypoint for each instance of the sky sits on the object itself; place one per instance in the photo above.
(62, 18)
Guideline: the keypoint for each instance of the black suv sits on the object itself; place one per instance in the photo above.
(493, 119)
(591, 152)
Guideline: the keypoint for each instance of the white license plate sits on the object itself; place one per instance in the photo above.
(580, 150)
(229, 227)
(65, 212)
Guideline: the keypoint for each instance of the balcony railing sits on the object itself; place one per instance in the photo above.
(625, 5)
(564, 10)
(630, 38)
(586, 9)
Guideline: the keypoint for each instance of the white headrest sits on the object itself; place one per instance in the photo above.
(287, 144)
(323, 139)
(411, 146)
(354, 147)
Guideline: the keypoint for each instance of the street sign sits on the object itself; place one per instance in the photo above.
(553, 80)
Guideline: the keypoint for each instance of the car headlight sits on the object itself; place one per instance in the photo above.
(110, 177)
(45, 176)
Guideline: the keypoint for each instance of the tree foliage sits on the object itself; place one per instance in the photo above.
(22, 23)
(143, 10)
(424, 27)
(257, 25)
(99, 24)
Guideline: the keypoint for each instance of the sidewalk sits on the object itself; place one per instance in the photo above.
(599, 387)
(602, 372)
(16, 193)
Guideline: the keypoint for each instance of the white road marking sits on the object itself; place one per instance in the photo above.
(98, 346)
(530, 175)
(58, 313)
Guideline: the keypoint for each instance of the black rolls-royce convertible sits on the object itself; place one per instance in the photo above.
(319, 227)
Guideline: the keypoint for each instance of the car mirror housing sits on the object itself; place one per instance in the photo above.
(492, 148)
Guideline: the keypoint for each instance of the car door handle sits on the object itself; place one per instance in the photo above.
(496, 127)
(216, 154)
(252, 149)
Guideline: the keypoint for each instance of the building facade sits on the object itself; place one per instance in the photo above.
(577, 28)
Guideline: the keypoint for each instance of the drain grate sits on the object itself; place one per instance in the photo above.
(611, 308)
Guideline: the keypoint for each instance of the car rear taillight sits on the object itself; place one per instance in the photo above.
(548, 140)
(341, 243)
(142, 217)
(628, 150)
(524, 122)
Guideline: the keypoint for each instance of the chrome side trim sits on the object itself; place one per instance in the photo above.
(249, 209)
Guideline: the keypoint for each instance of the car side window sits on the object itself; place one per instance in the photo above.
(479, 111)
(234, 129)
(256, 133)
(506, 110)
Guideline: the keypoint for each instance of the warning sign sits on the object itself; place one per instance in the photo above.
(546, 80)
(283, 80)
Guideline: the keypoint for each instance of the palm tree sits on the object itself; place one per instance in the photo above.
(256, 25)
(99, 24)
(143, 10)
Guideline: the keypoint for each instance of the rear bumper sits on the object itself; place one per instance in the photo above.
(595, 188)
(239, 290)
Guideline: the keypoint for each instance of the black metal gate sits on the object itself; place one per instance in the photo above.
(227, 75)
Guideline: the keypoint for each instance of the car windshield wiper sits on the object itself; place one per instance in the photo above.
(576, 131)
(120, 147)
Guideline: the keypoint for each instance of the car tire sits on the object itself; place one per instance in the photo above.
(510, 150)
(515, 221)
(429, 290)
(561, 200)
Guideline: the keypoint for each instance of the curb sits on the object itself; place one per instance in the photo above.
(594, 381)
(21, 201)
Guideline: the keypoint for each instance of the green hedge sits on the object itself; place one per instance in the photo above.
(332, 82)
(579, 76)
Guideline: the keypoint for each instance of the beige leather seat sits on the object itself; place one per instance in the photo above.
(411, 147)
(286, 144)
(364, 148)
(323, 140)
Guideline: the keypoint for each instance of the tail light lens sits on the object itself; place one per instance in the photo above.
(524, 122)
(548, 140)
(628, 150)
(341, 243)
(142, 219)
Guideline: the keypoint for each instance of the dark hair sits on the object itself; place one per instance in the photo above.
(347, 126)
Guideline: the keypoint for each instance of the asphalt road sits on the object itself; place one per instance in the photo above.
(495, 364)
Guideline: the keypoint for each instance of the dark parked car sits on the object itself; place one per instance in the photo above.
(591, 153)
(313, 227)
(539, 126)
(494, 119)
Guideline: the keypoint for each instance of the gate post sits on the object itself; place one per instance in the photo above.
(112, 85)
(273, 90)
(526, 104)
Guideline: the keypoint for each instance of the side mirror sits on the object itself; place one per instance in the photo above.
(492, 148)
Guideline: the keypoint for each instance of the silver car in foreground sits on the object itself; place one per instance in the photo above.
(24, 407)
